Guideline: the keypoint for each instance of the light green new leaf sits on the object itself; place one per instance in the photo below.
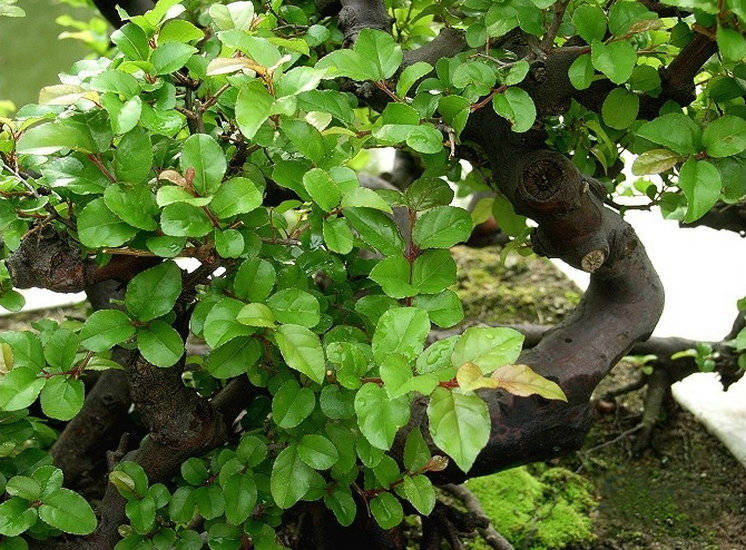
(522, 380)
(487, 347)
(302, 351)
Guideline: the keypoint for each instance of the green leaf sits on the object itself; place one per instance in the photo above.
(12, 300)
(393, 274)
(620, 109)
(153, 293)
(160, 344)
(410, 75)
(362, 196)
(423, 139)
(184, 220)
(337, 235)
(233, 358)
(444, 309)
(171, 56)
(293, 305)
(400, 330)
(134, 205)
(133, 157)
(98, 227)
(376, 230)
(236, 15)
(725, 136)
(123, 115)
(292, 404)
(253, 107)
(336, 403)
(62, 398)
(731, 44)
(581, 72)
(67, 511)
(700, 182)
(202, 153)
(19, 388)
(240, 495)
(655, 161)
(169, 194)
(322, 189)
(381, 56)
(132, 42)
(590, 22)
(60, 348)
(221, 325)
(442, 227)
(141, 514)
(317, 451)
(307, 139)
(459, 425)
(290, 479)
(487, 347)
(674, 131)
(341, 503)
(378, 416)
(229, 243)
(616, 60)
(210, 501)
(386, 510)
(24, 487)
(256, 315)
(254, 280)
(433, 271)
(416, 451)
(624, 14)
(427, 193)
(16, 517)
(66, 133)
(420, 492)
(236, 196)
(302, 351)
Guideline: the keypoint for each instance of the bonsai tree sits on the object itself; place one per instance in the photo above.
(287, 387)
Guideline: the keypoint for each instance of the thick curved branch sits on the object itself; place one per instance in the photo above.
(731, 217)
(55, 262)
(621, 306)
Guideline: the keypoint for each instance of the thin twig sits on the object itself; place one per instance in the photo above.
(471, 503)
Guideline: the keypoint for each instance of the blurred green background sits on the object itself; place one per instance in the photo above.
(31, 55)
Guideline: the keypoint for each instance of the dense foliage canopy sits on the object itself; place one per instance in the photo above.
(238, 136)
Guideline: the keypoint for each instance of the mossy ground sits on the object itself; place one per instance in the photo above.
(686, 493)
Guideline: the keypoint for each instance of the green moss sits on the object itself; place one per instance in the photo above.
(523, 289)
(549, 510)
